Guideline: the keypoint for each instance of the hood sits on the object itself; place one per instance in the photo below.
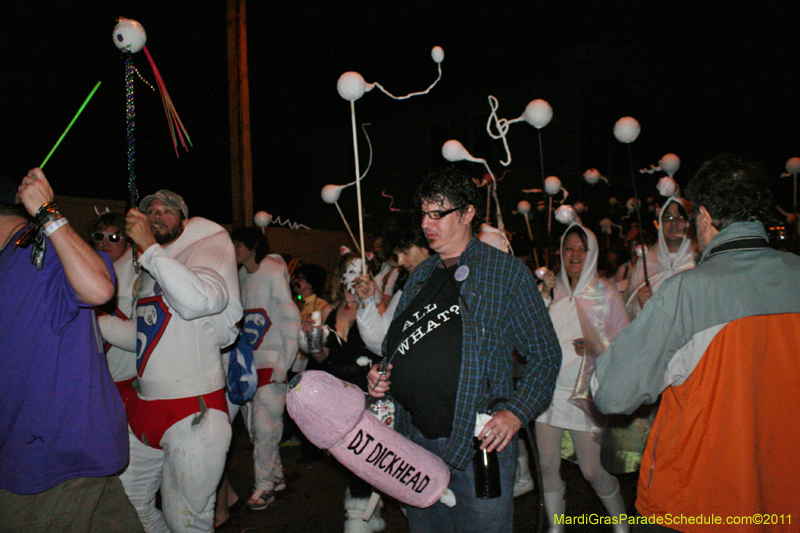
(589, 266)
(687, 247)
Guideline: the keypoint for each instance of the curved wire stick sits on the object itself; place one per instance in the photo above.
(502, 127)
(426, 91)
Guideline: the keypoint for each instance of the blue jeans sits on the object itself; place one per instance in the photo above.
(469, 514)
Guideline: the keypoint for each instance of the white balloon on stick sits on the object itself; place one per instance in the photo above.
(523, 208)
(351, 86)
(262, 219)
(793, 168)
(627, 130)
(566, 215)
(668, 187)
(593, 175)
(330, 195)
(538, 113)
(670, 163)
(552, 185)
(453, 151)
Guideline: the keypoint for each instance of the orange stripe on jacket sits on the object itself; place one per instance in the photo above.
(724, 441)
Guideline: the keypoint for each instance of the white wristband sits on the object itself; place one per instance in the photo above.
(54, 226)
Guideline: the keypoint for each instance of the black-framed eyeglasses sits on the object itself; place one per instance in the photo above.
(113, 238)
(673, 218)
(436, 215)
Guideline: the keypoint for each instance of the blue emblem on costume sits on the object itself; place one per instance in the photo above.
(256, 325)
(152, 317)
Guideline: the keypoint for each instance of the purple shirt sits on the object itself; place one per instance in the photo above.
(61, 416)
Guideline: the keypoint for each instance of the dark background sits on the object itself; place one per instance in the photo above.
(701, 78)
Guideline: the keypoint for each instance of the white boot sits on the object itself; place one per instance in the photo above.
(616, 508)
(555, 504)
(354, 516)
(523, 482)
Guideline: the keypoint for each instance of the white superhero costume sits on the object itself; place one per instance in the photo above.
(119, 331)
(187, 310)
(271, 323)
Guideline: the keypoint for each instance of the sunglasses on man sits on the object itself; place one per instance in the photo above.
(113, 238)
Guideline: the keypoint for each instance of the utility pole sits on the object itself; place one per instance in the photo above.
(239, 108)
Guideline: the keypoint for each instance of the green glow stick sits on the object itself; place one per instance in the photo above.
(70, 124)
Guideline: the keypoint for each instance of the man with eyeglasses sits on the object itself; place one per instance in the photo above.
(108, 235)
(462, 313)
(118, 330)
(675, 253)
(187, 308)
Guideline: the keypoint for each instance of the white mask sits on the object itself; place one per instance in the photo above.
(351, 273)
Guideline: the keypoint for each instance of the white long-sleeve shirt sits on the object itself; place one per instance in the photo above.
(187, 310)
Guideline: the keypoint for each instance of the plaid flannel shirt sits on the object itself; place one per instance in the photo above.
(501, 310)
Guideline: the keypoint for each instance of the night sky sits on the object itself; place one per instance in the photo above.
(701, 78)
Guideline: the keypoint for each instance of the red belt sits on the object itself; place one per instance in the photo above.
(265, 376)
(126, 390)
(150, 419)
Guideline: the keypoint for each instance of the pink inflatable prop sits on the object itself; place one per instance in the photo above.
(331, 413)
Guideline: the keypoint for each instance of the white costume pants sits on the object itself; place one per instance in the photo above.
(187, 470)
(264, 418)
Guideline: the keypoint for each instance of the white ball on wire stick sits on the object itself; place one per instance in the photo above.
(453, 150)
(330, 193)
(262, 219)
(538, 113)
(793, 166)
(670, 164)
(591, 176)
(552, 185)
(524, 207)
(351, 86)
(566, 214)
(667, 186)
(437, 54)
(129, 35)
(627, 129)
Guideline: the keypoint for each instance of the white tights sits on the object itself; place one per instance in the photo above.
(548, 441)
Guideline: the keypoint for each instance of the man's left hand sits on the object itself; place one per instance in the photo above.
(499, 431)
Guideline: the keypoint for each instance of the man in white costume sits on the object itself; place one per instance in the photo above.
(271, 323)
(186, 311)
(119, 329)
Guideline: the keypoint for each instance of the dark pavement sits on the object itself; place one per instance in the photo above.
(313, 499)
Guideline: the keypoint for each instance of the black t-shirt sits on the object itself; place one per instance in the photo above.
(427, 363)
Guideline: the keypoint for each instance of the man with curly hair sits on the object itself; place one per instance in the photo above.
(462, 313)
(720, 342)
